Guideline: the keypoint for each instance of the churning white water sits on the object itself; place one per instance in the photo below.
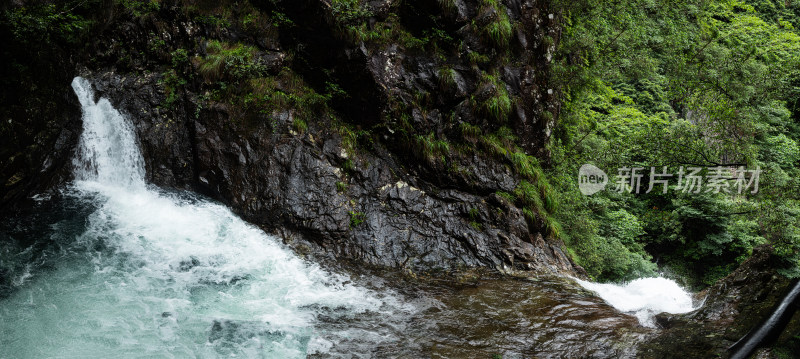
(644, 297)
(107, 151)
(170, 275)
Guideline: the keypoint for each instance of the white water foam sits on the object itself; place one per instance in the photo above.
(107, 152)
(644, 297)
(170, 275)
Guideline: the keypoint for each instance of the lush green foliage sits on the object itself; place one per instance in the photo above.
(679, 83)
(430, 149)
(356, 218)
(227, 61)
(645, 83)
(498, 105)
(141, 7)
(45, 24)
(499, 28)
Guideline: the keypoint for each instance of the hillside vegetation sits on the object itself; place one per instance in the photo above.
(625, 84)
(679, 83)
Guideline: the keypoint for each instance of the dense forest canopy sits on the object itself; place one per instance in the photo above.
(679, 83)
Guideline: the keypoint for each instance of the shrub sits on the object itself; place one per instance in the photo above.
(608, 259)
(529, 196)
(780, 149)
(448, 6)
(341, 186)
(173, 83)
(476, 58)
(429, 148)
(226, 61)
(507, 196)
(494, 145)
(447, 78)
(498, 105)
(356, 218)
(499, 29)
(141, 7)
(348, 11)
(299, 125)
(43, 26)
(470, 132)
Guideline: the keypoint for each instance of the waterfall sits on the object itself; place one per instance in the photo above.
(165, 274)
(644, 297)
(131, 270)
(107, 152)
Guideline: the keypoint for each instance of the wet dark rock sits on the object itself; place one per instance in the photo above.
(548, 317)
(288, 183)
(733, 306)
(187, 265)
(226, 335)
(382, 205)
(165, 145)
(390, 209)
(41, 126)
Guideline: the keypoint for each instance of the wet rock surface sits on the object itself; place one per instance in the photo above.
(292, 183)
(732, 307)
(381, 205)
(546, 317)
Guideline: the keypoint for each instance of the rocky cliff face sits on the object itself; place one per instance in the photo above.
(362, 177)
(39, 119)
(377, 134)
(288, 183)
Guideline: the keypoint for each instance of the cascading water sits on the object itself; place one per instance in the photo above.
(107, 152)
(115, 268)
(644, 297)
(155, 274)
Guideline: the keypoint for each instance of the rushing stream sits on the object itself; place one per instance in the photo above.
(160, 274)
(112, 267)
(644, 297)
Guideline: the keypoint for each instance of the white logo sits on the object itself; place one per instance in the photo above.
(591, 180)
